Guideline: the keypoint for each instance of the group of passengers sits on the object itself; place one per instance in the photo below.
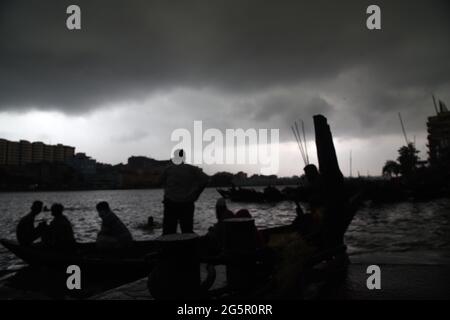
(59, 235)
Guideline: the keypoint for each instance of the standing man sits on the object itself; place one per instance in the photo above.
(183, 184)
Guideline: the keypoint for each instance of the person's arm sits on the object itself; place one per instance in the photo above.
(40, 230)
(202, 182)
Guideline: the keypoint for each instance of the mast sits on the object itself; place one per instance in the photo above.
(304, 141)
(403, 128)
(299, 145)
(350, 164)
(435, 106)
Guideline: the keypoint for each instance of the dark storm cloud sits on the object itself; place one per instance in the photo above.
(129, 50)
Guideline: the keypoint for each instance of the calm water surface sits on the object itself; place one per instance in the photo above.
(404, 227)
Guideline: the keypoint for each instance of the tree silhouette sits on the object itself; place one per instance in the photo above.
(391, 168)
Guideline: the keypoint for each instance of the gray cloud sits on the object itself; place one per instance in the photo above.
(135, 135)
(268, 62)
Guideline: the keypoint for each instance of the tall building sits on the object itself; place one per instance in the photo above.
(25, 152)
(13, 153)
(3, 151)
(438, 127)
(37, 154)
(48, 153)
(58, 153)
(69, 153)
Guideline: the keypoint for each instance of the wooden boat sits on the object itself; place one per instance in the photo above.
(139, 258)
(251, 195)
(134, 260)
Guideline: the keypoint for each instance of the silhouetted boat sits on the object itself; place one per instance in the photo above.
(270, 195)
(139, 258)
(93, 261)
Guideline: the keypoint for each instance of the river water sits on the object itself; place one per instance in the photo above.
(403, 228)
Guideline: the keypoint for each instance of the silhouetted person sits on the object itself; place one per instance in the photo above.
(222, 211)
(26, 232)
(302, 221)
(150, 222)
(326, 208)
(183, 184)
(113, 232)
(215, 235)
(59, 233)
(314, 187)
(244, 213)
(312, 175)
(299, 213)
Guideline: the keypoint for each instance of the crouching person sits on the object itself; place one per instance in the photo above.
(113, 233)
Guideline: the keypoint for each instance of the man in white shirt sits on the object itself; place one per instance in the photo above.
(183, 184)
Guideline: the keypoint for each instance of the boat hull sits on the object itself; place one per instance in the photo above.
(91, 260)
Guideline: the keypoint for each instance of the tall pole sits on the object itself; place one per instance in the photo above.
(403, 128)
(351, 171)
(304, 140)
(435, 106)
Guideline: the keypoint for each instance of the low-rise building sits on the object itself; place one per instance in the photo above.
(83, 164)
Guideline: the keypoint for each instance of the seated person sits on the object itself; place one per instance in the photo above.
(244, 213)
(215, 233)
(113, 233)
(26, 232)
(59, 233)
(222, 211)
(303, 221)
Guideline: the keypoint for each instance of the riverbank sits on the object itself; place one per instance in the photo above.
(400, 280)
(420, 276)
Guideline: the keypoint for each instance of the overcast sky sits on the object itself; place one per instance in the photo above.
(140, 69)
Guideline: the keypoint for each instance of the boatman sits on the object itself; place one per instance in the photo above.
(183, 184)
